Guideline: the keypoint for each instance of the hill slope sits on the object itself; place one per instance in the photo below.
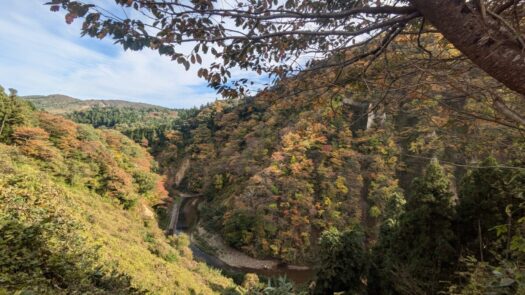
(76, 216)
(282, 167)
(63, 104)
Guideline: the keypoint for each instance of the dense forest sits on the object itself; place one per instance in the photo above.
(409, 198)
(395, 199)
(385, 154)
(147, 126)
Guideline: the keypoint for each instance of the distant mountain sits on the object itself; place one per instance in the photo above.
(63, 104)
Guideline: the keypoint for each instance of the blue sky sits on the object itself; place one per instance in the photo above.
(41, 54)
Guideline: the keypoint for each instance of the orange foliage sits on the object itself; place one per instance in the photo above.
(57, 126)
(160, 187)
(33, 142)
(24, 133)
(118, 183)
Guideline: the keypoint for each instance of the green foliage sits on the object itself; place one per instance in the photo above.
(13, 112)
(491, 222)
(238, 229)
(149, 126)
(280, 287)
(40, 248)
(487, 197)
(343, 262)
(76, 217)
(145, 181)
(385, 197)
(422, 251)
(426, 227)
(508, 277)
(277, 286)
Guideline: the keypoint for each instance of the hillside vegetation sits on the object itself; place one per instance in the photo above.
(76, 217)
(63, 104)
(147, 126)
(291, 162)
(412, 186)
(144, 123)
(393, 198)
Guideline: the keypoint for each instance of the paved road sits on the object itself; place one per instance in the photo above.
(175, 211)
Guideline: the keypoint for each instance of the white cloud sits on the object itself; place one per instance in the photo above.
(40, 54)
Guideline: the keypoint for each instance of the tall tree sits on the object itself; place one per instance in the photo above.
(423, 247)
(272, 36)
(343, 262)
(489, 197)
(12, 112)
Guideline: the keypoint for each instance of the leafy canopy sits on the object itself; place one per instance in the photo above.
(283, 37)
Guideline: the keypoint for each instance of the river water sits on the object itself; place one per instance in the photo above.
(188, 219)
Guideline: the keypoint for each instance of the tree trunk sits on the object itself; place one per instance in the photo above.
(510, 114)
(3, 124)
(480, 238)
(485, 42)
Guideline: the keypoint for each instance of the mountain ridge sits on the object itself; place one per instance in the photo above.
(64, 104)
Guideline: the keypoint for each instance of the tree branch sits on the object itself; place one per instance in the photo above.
(508, 112)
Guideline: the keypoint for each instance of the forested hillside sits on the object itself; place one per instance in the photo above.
(144, 123)
(360, 147)
(414, 186)
(147, 126)
(396, 195)
(76, 213)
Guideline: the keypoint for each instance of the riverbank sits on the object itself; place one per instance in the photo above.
(214, 251)
(227, 254)
(225, 257)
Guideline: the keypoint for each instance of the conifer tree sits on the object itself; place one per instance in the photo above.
(486, 196)
(12, 112)
(343, 262)
(423, 248)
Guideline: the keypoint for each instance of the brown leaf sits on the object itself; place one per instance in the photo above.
(70, 17)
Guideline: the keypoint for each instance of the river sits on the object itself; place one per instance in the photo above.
(188, 219)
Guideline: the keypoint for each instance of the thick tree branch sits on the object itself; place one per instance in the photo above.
(490, 49)
(505, 5)
(508, 112)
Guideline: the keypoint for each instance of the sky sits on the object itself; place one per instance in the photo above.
(40, 55)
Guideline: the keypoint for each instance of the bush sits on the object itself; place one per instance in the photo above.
(238, 229)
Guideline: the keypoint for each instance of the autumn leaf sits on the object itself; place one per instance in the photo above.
(70, 17)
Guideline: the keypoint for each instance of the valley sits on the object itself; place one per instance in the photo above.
(211, 248)
(256, 185)
(340, 147)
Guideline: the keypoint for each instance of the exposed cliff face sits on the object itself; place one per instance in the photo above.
(181, 171)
